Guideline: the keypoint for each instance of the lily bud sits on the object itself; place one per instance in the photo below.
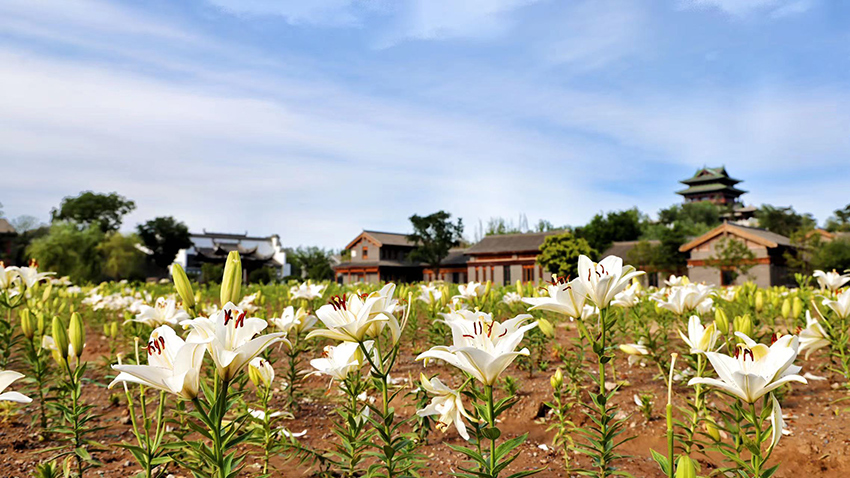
(26, 324)
(685, 467)
(546, 327)
(557, 380)
(231, 281)
(797, 307)
(518, 286)
(711, 429)
(786, 309)
(630, 349)
(743, 324)
(184, 287)
(40, 323)
(260, 372)
(113, 330)
(47, 290)
(722, 320)
(60, 338)
(487, 288)
(759, 303)
(106, 329)
(77, 334)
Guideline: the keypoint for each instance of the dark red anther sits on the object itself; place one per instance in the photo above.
(503, 333)
(161, 341)
(603, 269)
(240, 321)
(34, 263)
(468, 336)
(228, 316)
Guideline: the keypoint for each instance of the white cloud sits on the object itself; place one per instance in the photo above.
(738, 8)
(333, 13)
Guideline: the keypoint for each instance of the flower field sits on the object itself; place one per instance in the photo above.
(587, 376)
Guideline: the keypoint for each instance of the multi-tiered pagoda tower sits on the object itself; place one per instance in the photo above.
(712, 184)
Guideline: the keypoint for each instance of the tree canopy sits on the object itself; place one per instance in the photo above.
(433, 236)
(783, 220)
(559, 253)
(164, 236)
(603, 230)
(312, 263)
(839, 221)
(89, 208)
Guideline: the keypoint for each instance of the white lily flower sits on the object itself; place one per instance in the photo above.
(261, 415)
(6, 379)
(446, 403)
(233, 343)
(164, 312)
(294, 321)
(674, 281)
(605, 279)
(688, 297)
(511, 298)
(756, 369)
(338, 361)
(430, 294)
(471, 291)
(173, 365)
(262, 370)
(468, 316)
(813, 337)
(565, 297)
(8, 276)
(307, 291)
(30, 275)
(831, 280)
(841, 306)
(777, 423)
(700, 339)
(628, 298)
(483, 350)
(634, 351)
(349, 318)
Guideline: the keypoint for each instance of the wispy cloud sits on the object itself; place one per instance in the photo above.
(775, 8)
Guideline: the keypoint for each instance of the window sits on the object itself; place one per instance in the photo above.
(506, 272)
(528, 273)
(493, 273)
(727, 277)
(365, 252)
(455, 278)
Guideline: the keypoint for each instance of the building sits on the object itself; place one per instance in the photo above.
(769, 267)
(627, 251)
(7, 239)
(506, 258)
(375, 256)
(213, 247)
(712, 184)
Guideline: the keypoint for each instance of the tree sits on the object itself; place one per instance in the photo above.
(840, 220)
(69, 250)
(601, 231)
(433, 236)
(164, 236)
(783, 220)
(312, 263)
(121, 257)
(800, 258)
(559, 254)
(733, 258)
(26, 223)
(831, 255)
(105, 210)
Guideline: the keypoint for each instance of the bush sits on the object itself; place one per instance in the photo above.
(211, 273)
(263, 275)
(832, 255)
(70, 251)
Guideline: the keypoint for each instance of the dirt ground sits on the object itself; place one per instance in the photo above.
(818, 444)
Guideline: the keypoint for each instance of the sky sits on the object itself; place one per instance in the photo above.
(317, 119)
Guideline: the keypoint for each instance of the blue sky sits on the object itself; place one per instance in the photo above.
(316, 119)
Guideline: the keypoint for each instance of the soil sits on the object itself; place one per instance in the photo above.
(818, 444)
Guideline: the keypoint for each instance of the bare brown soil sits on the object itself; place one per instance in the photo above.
(818, 446)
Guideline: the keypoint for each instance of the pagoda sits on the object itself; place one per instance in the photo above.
(712, 184)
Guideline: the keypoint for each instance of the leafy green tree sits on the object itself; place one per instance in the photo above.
(164, 236)
(783, 220)
(433, 236)
(732, 257)
(840, 220)
(559, 253)
(121, 257)
(831, 255)
(799, 259)
(602, 231)
(69, 250)
(312, 263)
(90, 208)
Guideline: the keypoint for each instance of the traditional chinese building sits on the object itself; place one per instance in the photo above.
(213, 247)
(506, 258)
(712, 184)
(769, 267)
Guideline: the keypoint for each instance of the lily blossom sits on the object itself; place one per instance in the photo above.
(229, 336)
(307, 291)
(634, 351)
(446, 403)
(471, 291)
(628, 298)
(173, 365)
(164, 312)
(430, 294)
(841, 306)
(294, 321)
(483, 350)
(349, 318)
(605, 279)
(776, 422)
(813, 337)
(685, 298)
(338, 361)
(565, 297)
(30, 275)
(6, 379)
(8, 276)
(831, 280)
(700, 339)
(756, 369)
(511, 298)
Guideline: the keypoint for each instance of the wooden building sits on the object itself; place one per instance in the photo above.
(375, 256)
(712, 184)
(629, 251)
(506, 258)
(768, 266)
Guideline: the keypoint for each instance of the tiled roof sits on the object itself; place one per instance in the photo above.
(709, 188)
(5, 227)
(711, 175)
(390, 238)
(761, 236)
(622, 248)
(504, 243)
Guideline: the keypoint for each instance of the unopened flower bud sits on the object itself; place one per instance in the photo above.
(786, 309)
(796, 308)
(557, 380)
(60, 338)
(26, 324)
(184, 287)
(231, 281)
(113, 330)
(759, 302)
(260, 372)
(47, 290)
(685, 467)
(487, 288)
(519, 287)
(546, 327)
(743, 324)
(722, 320)
(711, 429)
(77, 334)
